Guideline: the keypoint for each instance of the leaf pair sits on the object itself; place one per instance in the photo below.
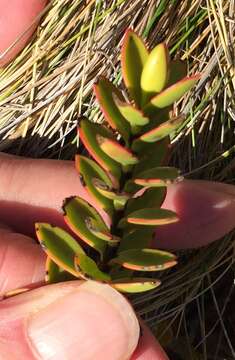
(149, 217)
(105, 149)
(145, 259)
(87, 224)
(66, 253)
(152, 80)
(154, 177)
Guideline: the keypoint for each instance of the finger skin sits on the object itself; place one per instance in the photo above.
(33, 191)
(16, 16)
(22, 262)
(63, 320)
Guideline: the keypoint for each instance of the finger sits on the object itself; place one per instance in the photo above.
(68, 321)
(16, 17)
(22, 262)
(206, 213)
(148, 347)
(33, 190)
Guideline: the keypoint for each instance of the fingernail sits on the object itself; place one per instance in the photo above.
(22, 262)
(92, 322)
(206, 213)
(149, 347)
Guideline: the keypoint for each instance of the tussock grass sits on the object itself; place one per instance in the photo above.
(45, 90)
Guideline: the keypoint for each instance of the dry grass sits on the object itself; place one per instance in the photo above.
(45, 90)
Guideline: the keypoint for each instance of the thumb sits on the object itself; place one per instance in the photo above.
(84, 320)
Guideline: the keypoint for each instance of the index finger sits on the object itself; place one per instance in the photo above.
(33, 191)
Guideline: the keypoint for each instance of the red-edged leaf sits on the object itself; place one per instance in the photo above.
(159, 117)
(151, 198)
(136, 285)
(109, 192)
(136, 239)
(145, 259)
(133, 115)
(133, 57)
(91, 224)
(15, 292)
(151, 155)
(160, 132)
(89, 170)
(77, 212)
(88, 267)
(171, 94)
(55, 273)
(88, 132)
(156, 177)
(152, 217)
(59, 245)
(104, 91)
(116, 151)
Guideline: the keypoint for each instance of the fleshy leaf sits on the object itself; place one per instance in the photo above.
(171, 94)
(116, 151)
(136, 239)
(157, 177)
(109, 192)
(156, 119)
(160, 132)
(88, 132)
(135, 285)
(133, 57)
(60, 246)
(178, 70)
(55, 274)
(152, 197)
(151, 155)
(14, 292)
(88, 170)
(103, 90)
(88, 267)
(155, 72)
(133, 115)
(145, 259)
(152, 217)
(76, 213)
(103, 235)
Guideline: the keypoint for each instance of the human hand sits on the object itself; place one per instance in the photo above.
(63, 320)
(76, 319)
